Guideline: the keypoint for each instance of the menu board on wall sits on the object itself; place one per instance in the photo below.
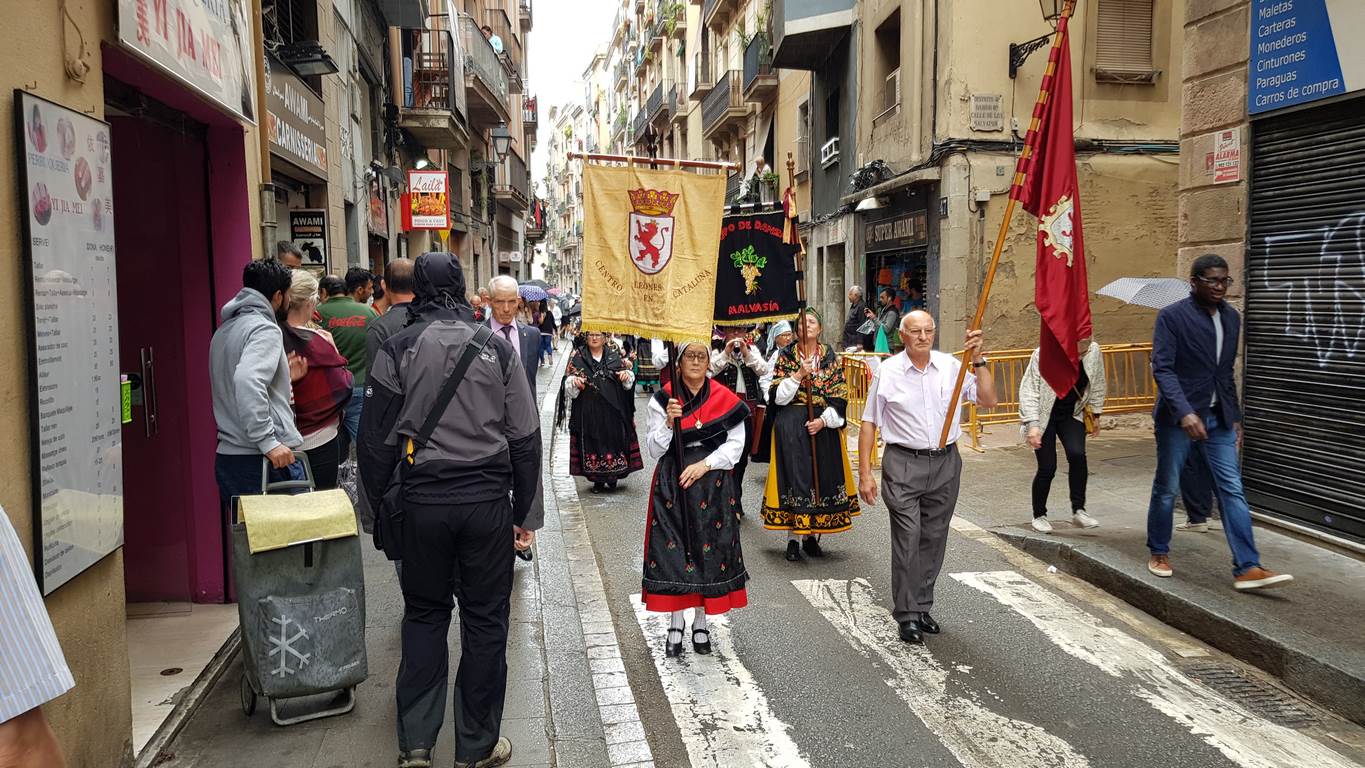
(75, 396)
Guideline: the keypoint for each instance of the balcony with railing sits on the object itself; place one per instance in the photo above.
(732, 183)
(620, 74)
(675, 19)
(677, 97)
(657, 106)
(719, 14)
(702, 81)
(760, 79)
(524, 15)
(433, 99)
(511, 185)
(485, 77)
(530, 114)
(459, 215)
(724, 107)
(639, 124)
(817, 27)
(497, 20)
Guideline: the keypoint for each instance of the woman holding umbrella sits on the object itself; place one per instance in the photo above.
(600, 386)
(810, 488)
(692, 549)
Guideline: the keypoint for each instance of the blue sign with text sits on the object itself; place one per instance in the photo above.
(1301, 52)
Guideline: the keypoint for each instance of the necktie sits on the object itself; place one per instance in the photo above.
(507, 331)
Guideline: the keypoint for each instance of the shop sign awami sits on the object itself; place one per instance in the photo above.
(897, 232)
(205, 44)
(294, 116)
(1303, 51)
(308, 230)
(426, 205)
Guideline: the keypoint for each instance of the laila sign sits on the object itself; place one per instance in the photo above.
(205, 44)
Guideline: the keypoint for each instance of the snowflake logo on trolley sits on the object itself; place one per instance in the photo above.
(1056, 226)
(284, 647)
(651, 229)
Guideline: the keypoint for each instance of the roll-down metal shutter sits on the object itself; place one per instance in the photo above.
(1304, 456)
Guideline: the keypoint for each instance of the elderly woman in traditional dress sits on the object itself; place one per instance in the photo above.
(600, 385)
(692, 552)
(805, 497)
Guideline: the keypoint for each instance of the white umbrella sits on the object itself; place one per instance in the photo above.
(1154, 292)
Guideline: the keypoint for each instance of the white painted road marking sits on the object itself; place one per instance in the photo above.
(1240, 735)
(724, 717)
(976, 736)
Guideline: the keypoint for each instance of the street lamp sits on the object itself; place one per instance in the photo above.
(502, 141)
(1052, 9)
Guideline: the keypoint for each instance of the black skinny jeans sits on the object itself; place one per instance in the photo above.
(1072, 433)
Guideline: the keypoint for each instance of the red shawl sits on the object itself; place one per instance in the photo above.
(322, 394)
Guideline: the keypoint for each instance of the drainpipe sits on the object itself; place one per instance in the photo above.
(269, 226)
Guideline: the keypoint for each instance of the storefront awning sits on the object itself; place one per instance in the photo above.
(408, 14)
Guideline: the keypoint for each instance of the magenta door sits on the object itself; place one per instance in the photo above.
(164, 293)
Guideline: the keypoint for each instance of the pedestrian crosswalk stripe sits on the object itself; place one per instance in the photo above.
(1243, 737)
(724, 717)
(976, 736)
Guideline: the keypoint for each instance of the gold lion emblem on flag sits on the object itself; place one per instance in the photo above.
(1056, 226)
(651, 229)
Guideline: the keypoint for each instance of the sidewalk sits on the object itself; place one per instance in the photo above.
(551, 713)
(1308, 633)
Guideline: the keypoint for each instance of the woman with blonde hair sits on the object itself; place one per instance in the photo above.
(321, 395)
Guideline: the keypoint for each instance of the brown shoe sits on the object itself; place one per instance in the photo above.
(1260, 578)
(1160, 565)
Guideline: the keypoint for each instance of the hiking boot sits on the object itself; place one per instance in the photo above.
(502, 752)
(1260, 578)
(1160, 565)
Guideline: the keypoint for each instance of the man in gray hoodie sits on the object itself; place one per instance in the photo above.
(251, 380)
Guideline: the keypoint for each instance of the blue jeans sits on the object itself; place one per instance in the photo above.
(241, 476)
(352, 417)
(1172, 449)
(547, 348)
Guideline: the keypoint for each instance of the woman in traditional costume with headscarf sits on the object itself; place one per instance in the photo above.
(600, 386)
(692, 552)
(807, 406)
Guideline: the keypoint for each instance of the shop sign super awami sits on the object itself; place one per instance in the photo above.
(896, 232)
(294, 117)
(205, 44)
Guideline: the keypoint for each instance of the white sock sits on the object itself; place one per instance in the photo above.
(677, 622)
(698, 619)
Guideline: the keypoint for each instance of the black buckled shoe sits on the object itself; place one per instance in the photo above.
(703, 647)
(673, 650)
(793, 551)
(415, 758)
(927, 624)
(911, 632)
(812, 546)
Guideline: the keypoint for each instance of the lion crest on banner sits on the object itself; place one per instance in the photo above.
(651, 229)
(1058, 229)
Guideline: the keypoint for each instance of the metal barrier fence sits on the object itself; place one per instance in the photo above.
(1127, 372)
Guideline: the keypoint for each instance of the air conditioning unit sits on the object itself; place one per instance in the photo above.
(891, 91)
(829, 153)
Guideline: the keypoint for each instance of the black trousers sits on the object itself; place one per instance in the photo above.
(325, 461)
(464, 550)
(1196, 486)
(1072, 433)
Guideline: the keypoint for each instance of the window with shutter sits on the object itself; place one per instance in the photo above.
(1123, 43)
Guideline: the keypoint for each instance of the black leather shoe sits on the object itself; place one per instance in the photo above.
(812, 546)
(611, 484)
(911, 632)
(598, 487)
(793, 551)
(702, 647)
(671, 649)
(927, 624)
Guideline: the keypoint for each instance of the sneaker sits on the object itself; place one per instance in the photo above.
(415, 758)
(502, 752)
(1190, 526)
(1160, 565)
(1081, 520)
(1260, 578)
(1041, 525)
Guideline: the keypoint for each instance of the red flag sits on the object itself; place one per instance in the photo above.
(1045, 183)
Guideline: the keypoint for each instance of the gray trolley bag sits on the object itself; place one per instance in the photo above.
(302, 615)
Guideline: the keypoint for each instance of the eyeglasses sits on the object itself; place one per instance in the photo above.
(1223, 281)
(696, 356)
(923, 333)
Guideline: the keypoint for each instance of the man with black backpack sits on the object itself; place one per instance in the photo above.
(449, 455)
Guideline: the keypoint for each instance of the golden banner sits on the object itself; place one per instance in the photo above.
(650, 240)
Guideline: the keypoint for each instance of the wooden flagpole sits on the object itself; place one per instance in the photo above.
(801, 331)
(655, 162)
(1022, 169)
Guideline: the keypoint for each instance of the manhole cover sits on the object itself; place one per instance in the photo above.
(1256, 695)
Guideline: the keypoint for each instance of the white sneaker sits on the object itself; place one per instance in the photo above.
(1041, 525)
(1081, 520)
(1188, 526)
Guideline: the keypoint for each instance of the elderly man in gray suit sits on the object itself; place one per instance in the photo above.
(908, 402)
(505, 301)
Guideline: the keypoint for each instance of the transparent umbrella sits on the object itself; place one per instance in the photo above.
(1154, 292)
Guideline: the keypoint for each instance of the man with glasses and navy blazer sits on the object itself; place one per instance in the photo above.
(505, 301)
(1194, 347)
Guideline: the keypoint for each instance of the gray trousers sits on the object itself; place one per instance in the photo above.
(920, 493)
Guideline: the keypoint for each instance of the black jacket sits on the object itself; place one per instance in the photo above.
(857, 315)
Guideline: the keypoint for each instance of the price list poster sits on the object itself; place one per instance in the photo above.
(76, 408)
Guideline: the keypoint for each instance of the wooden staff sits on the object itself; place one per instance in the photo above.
(654, 162)
(801, 331)
(1020, 171)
